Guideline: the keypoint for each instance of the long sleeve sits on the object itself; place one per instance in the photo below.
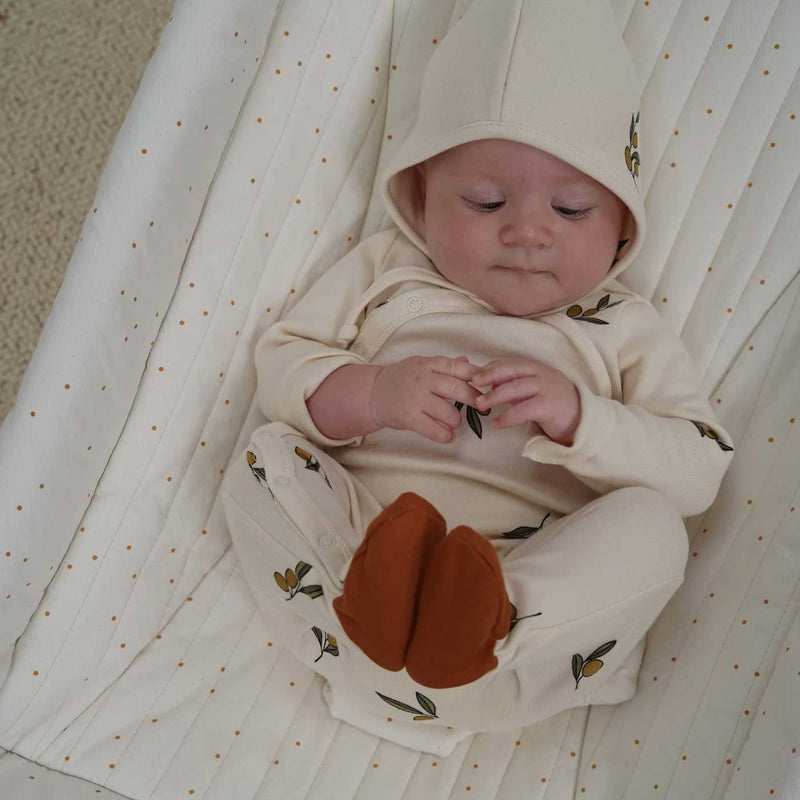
(661, 433)
(295, 355)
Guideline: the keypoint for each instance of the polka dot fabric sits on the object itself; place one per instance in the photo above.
(246, 166)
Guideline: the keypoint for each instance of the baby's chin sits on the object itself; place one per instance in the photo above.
(519, 305)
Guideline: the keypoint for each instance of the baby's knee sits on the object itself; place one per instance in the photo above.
(655, 525)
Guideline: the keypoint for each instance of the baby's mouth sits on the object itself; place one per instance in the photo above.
(520, 270)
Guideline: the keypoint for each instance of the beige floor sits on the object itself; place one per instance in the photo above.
(70, 69)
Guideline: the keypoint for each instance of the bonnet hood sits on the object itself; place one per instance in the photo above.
(554, 74)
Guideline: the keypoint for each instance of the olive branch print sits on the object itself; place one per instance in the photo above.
(632, 159)
(474, 418)
(515, 619)
(291, 582)
(327, 643)
(525, 531)
(576, 312)
(312, 463)
(427, 712)
(591, 665)
(710, 433)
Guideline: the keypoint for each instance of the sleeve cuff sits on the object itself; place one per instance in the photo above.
(594, 430)
(313, 375)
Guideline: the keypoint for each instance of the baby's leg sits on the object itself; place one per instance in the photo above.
(585, 591)
(294, 518)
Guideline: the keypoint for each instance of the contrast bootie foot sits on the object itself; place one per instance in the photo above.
(378, 606)
(463, 611)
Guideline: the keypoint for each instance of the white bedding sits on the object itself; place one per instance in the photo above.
(140, 663)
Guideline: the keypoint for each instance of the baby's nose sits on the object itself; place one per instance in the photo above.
(528, 232)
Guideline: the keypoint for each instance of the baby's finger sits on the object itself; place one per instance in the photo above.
(430, 429)
(504, 369)
(519, 414)
(456, 367)
(513, 391)
(443, 412)
(455, 389)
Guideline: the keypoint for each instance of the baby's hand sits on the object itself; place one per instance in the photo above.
(417, 394)
(537, 393)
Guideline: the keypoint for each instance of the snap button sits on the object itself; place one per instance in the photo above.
(414, 304)
(325, 541)
(282, 480)
(359, 349)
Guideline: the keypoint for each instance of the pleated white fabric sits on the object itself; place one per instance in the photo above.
(246, 166)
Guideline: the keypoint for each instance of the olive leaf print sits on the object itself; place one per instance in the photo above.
(427, 712)
(591, 665)
(258, 472)
(312, 464)
(525, 531)
(632, 159)
(710, 433)
(576, 312)
(474, 418)
(327, 643)
(291, 582)
(515, 619)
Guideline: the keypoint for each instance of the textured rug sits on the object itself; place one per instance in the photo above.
(69, 73)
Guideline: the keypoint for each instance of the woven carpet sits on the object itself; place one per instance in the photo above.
(69, 73)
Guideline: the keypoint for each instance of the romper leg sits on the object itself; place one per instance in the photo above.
(585, 590)
(294, 518)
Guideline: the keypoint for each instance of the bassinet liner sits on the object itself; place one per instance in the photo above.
(245, 167)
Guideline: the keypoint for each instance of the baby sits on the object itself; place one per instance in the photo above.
(478, 367)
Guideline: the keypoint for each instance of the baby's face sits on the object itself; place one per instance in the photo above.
(518, 227)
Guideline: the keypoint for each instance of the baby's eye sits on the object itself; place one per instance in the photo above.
(572, 213)
(483, 207)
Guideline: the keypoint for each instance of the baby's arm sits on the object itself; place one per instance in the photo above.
(661, 433)
(415, 394)
(295, 355)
